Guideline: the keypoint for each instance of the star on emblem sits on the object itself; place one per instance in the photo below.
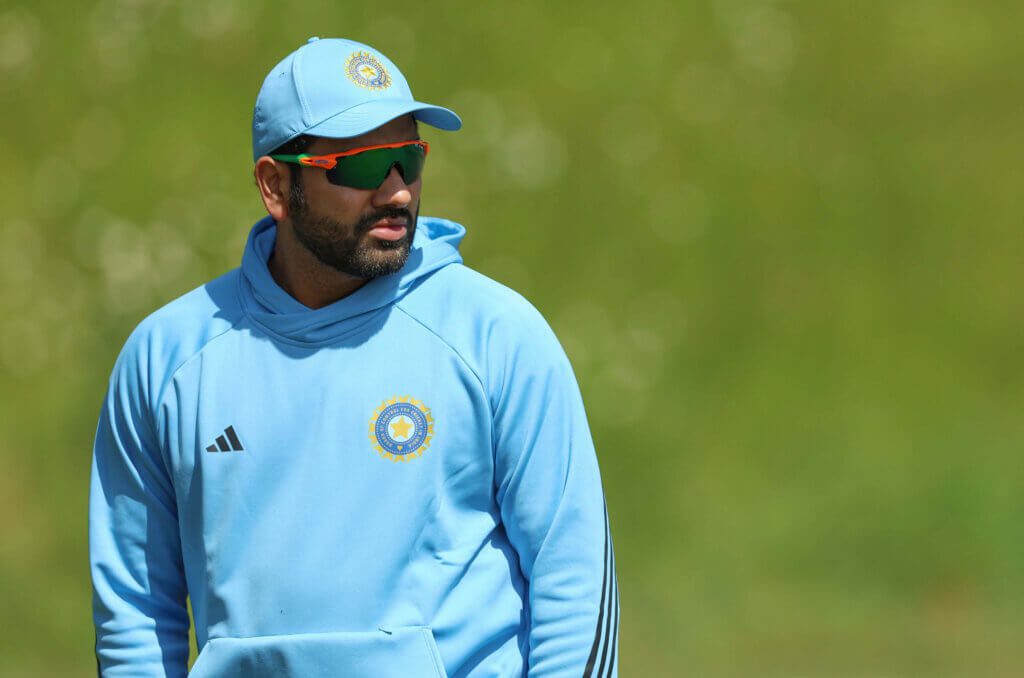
(401, 428)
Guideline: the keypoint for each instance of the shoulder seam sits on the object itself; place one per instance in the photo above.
(186, 361)
(444, 341)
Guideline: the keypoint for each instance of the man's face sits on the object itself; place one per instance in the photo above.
(363, 233)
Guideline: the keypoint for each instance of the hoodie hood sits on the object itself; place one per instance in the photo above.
(434, 246)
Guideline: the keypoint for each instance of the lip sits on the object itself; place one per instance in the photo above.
(388, 229)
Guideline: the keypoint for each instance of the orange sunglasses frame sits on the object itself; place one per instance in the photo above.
(330, 160)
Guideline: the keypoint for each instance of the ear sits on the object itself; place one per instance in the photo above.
(272, 180)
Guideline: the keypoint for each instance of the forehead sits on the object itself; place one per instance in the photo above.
(399, 129)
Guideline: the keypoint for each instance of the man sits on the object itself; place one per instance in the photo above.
(354, 455)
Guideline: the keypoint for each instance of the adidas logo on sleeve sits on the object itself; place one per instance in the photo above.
(227, 443)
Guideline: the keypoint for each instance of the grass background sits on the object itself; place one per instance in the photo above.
(781, 242)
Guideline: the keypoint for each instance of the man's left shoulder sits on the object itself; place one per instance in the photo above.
(493, 328)
(459, 293)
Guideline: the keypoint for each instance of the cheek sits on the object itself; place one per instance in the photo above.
(415, 188)
(338, 202)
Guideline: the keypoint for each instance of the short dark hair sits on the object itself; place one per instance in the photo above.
(296, 146)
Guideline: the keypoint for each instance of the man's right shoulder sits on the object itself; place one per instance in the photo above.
(180, 329)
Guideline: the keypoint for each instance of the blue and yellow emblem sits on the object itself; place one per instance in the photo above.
(401, 428)
(367, 71)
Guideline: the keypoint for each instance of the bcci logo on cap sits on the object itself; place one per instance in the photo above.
(401, 428)
(367, 71)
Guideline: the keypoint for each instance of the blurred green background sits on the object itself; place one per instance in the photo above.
(781, 242)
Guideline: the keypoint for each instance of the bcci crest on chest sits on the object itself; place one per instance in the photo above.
(401, 428)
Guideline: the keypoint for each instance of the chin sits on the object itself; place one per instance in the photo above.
(374, 262)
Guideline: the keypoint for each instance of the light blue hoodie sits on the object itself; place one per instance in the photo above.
(399, 484)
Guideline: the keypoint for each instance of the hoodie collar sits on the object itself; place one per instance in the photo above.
(435, 245)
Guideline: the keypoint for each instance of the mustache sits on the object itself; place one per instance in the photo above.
(369, 220)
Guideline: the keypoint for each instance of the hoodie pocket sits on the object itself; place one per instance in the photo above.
(404, 652)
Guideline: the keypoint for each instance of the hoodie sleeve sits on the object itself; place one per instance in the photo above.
(139, 590)
(552, 505)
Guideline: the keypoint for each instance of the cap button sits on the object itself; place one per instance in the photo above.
(313, 39)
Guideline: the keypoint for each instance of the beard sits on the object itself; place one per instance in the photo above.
(347, 247)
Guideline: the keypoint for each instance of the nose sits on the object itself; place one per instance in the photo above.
(394, 191)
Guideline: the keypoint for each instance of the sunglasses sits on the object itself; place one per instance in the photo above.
(369, 166)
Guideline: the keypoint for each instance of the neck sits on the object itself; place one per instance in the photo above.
(306, 278)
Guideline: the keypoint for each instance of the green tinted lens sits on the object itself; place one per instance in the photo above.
(369, 169)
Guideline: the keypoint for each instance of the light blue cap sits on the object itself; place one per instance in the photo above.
(337, 89)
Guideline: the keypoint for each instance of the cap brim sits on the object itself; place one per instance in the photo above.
(370, 115)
